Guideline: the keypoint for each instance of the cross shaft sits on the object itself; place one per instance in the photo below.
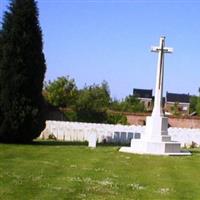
(161, 50)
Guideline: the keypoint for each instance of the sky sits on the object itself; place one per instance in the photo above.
(110, 40)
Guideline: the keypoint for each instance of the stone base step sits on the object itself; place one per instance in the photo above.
(154, 147)
(130, 150)
(166, 138)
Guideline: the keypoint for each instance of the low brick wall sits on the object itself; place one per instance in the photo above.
(180, 122)
(190, 122)
(136, 119)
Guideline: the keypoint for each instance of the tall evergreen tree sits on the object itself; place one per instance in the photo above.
(22, 70)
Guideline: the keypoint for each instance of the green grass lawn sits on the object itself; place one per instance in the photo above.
(48, 170)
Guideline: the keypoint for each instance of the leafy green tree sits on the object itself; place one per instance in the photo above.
(198, 106)
(129, 104)
(195, 104)
(116, 119)
(133, 104)
(176, 109)
(22, 69)
(62, 92)
(92, 103)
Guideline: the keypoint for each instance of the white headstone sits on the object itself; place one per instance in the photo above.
(92, 140)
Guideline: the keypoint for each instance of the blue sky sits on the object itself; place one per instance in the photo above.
(92, 41)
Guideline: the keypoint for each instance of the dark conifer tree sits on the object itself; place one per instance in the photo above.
(22, 70)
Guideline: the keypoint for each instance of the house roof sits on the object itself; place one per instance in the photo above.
(181, 98)
(141, 93)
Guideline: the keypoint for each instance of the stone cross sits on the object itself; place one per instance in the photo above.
(157, 110)
(155, 139)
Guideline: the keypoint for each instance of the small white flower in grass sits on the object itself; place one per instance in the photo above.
(73, 166)
(82, 196)
(75, 179)
(136, 186)
(100, 170)
(37, 178)
(57, 188)
(106, 182)
(87, 180)
(163, 190)
(115, 176)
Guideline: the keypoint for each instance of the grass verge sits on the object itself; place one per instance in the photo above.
(53, 170)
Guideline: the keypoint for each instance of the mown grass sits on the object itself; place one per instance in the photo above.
(49, 170)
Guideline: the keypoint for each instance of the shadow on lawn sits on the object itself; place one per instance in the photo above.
(58, 143)
(195, 151)
(70, 143)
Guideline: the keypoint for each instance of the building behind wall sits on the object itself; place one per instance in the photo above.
(173, 103)
(177, 103)
(144, 96)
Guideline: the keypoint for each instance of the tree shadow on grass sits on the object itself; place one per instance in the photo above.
(73, 143)
(112, 144)
(58, 143)
(194, 151)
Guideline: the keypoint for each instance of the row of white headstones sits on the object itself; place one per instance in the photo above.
(91, 132)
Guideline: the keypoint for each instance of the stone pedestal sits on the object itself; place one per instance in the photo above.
(156, 129)
(156, 140)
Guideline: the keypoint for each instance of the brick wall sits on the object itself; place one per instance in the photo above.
(184, 122)
(136, 119)
(181, 122)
